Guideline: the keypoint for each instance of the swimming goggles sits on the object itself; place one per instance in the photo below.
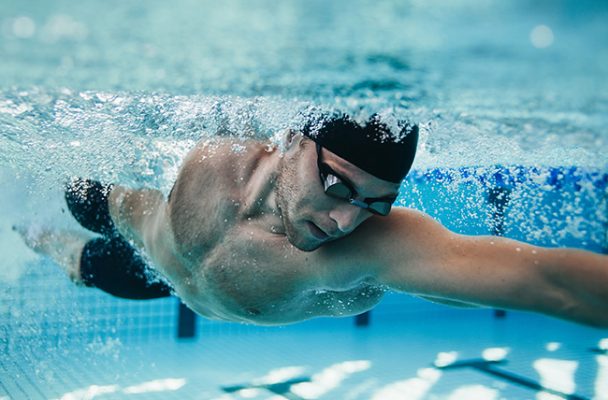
(336, 186)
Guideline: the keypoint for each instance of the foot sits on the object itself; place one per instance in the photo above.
(87, 200)
(62, 246)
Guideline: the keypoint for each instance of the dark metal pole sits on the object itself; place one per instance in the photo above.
(363, 319)
(186, 322)
(499, 197)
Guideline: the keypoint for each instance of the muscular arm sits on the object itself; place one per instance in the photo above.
(417, 255)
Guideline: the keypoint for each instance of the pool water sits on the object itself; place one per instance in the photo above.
(511, 98)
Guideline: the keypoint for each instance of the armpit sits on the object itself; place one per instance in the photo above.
(349, 302)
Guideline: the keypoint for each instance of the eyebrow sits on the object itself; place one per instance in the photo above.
(349, 183)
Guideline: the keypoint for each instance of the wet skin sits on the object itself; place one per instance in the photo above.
(240, 238)
(251, 236)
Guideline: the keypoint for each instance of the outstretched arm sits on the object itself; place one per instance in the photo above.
(421, 257)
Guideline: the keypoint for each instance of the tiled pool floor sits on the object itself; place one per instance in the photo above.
(391, 359)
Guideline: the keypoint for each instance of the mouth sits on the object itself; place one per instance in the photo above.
(316, 231)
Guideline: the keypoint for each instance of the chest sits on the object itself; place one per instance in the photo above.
(263, 280)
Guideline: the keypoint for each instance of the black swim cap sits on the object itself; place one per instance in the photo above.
(371, 147)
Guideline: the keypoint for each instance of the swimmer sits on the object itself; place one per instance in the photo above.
(279, 234)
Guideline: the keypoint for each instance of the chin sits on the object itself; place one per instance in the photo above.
(304, 244)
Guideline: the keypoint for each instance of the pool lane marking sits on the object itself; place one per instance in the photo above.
(487, 367)
(280, 388)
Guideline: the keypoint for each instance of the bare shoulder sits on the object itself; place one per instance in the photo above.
(206, 195)
(220, 159)
(214, 152)
(378, 242)
(403, 219)
(404, 228)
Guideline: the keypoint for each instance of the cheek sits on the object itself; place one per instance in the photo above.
(305, 183)
(302, 185)
(290, 189)
(314, 197)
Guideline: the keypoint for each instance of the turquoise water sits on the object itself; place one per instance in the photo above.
(475, 74)
(510, 95)
(121, 90)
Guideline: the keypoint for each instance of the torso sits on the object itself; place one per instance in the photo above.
(225, 261)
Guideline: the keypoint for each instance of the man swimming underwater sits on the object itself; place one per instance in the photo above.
(279, 234)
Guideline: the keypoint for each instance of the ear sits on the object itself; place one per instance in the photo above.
(291, 137)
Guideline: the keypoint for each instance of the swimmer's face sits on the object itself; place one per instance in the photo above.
(310, 216)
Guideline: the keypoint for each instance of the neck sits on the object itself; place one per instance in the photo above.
(259, 195)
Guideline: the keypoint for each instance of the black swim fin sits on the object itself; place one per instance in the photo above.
(87, 200)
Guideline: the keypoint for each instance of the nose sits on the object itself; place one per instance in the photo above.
(346, 217)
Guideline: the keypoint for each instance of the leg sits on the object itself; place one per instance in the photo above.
(109, 264)
(87, 200)
(118, 213)
(113, 210)
(113, 266)
(63, 247)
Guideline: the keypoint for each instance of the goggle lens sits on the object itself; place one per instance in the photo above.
(341, 191)
(334, 187)
(380, 208)
(338, 190)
